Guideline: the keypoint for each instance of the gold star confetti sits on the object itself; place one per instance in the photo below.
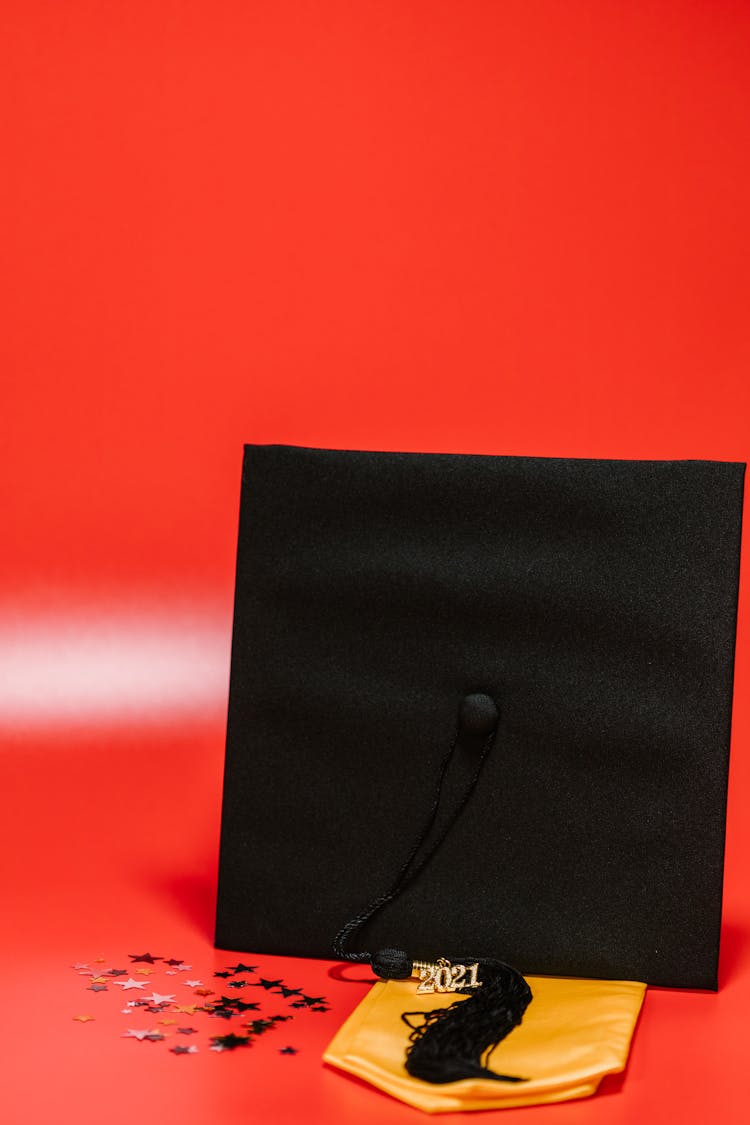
(190, 1010)
(166, 1023)
(145, 972)
(204, 992)
(83, 1019)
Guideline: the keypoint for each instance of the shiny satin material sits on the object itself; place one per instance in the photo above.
(573, 1034)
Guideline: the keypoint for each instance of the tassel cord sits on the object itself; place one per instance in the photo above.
(411, 869)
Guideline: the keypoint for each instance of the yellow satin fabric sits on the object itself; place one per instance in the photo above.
(574, 1032)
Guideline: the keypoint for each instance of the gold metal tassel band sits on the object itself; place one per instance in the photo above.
(442, 976)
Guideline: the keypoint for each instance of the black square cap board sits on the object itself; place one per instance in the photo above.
(594, 601)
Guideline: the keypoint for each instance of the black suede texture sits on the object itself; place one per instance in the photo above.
(594, 600)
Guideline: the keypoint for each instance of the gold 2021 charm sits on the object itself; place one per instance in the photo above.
(441, 976)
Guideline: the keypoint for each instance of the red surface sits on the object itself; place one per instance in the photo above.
(503, 228)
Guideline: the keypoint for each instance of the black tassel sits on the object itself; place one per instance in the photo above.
(456, 1042)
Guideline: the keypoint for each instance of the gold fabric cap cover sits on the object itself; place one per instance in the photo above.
(573, 1034)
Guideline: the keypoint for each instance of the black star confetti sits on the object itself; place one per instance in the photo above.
(135, 957)
(267, 984)
(187, 1031)
(237, 984)
(287, 992)
(116, 973)
(97, 988)
(178, 1050)
(172, 961)
(227, 973)
(229, 1042)
(240, 968)
(287, 1051)
(259, 1027)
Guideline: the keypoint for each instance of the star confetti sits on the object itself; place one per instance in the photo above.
(157, 998)
(223, 1013)
(149, 971)
(229, 1042)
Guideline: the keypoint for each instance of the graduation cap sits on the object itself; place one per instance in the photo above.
(481, 705)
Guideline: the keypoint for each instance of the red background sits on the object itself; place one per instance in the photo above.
(516, 227)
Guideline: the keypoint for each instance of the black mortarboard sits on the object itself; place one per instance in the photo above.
(594, 603)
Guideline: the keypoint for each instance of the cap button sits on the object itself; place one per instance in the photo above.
(479, 713)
